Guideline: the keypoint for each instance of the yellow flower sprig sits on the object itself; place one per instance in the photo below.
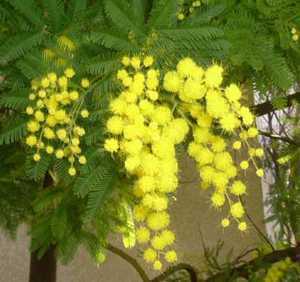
(56, 103)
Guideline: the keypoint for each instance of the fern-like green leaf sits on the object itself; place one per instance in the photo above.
(37, 170)
(163, 14)
(121, 17)
(16, 100)
(13, 132)
(18, 45)
(55, 12)
(112, 39)
(29, 9)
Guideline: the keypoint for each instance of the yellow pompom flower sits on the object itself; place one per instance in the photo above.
(140, 212)
(60, 115)
(225, 222)
(152, 83)
(237, 145)
(246, 115)
(39, 116)
(136, 62)
(36, 157)
(74, 95)
(160, 203)
(115, 125)
(216, 105)
(233, 92)
(51, 121)
(218, 200)
(85, 83)
(59, 154)
(242, 226)
(157, 265)
(132, 163)
(168, 237)
(244, 165)
(31, 97)
(238, 188)
(147, 183)
(157, 221)
(237, 210)
(33, 126)
(69, 72)
(218, 145)
(111, 145)
(49, 133)
(222, 160)
(252, 132)
(52, 77)
(61, 134)
(150, 255)
(72, 171)
(63, 82)
(133, 147)
(118, 106)
(162, 115)
(31, 140)
(207, 174)
(152, 95)
(172, 82)
(42, 93)
(171, 256)
(229, 122)
(85, 113)
(49, 150)
(29, 111)
(180, 16)
(82, 160)
(45, 82)
(260, 172)
(214, 76)
(143, 235)
(185, 67)
(148, 61)
(158, 243)
(126, 61)
(259, 152)
(79, 131)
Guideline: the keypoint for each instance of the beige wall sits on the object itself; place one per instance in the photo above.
(191, 213)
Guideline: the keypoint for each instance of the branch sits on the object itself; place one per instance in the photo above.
(267, 107)
(181, 266)
(278, 137)
(243, 270)
(130, 260)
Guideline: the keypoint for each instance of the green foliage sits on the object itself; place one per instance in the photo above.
(13, 131)
(251, 38)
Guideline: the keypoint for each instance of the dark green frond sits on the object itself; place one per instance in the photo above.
(16, 100)
(19, 45)
(37, 170)
(29, 9)
(13, 131)
(121, 18)
(163, 14)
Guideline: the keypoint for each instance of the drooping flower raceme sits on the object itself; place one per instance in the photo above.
(54, 109)
(153, 114)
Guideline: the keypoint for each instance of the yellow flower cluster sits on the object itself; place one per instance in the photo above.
(277, 271)
(184, 11)
(295, 34)
(55, 105)
(144, 133)
(214, 109)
